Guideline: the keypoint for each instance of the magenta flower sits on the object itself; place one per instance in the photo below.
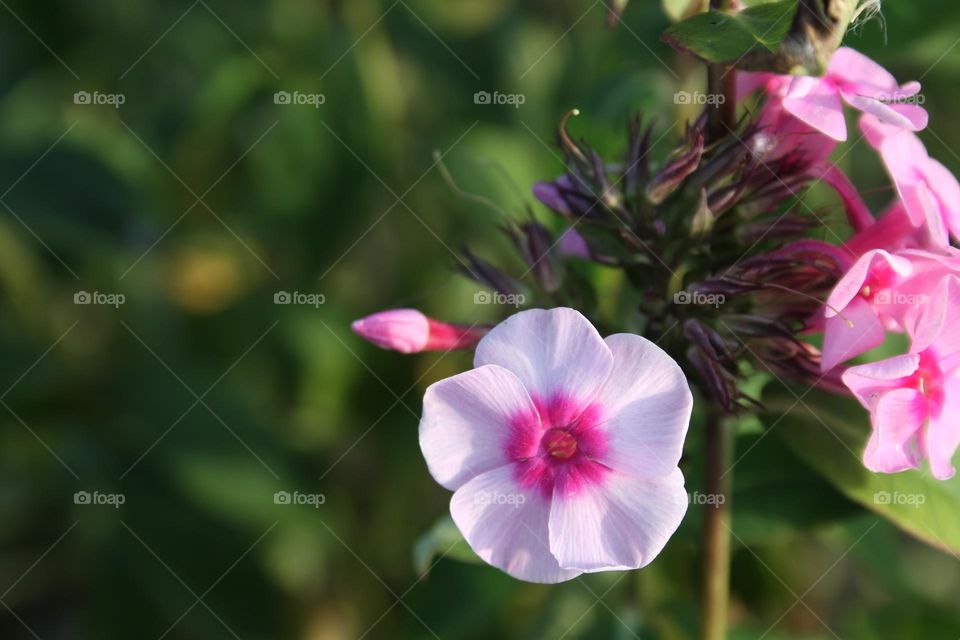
(783, 134)
(914, 399)
(929, 191)
(861, 83)
(409, 331)
(561, 447)
(854, 310)
(881, 292)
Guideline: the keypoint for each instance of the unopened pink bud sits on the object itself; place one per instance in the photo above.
(409, 331)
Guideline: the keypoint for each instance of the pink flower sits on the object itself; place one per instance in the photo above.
(853, 316)
(783, 135)
(860, 82)
(409, 331)
(914, 399)
(892, 231)
(929, 192)
(781, 132)
(561, 447)
(881, 291)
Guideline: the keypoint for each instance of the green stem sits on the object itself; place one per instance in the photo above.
(721, 81)
(716, 531)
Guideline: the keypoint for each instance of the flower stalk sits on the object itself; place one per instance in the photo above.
(721, 81)
(716, 530)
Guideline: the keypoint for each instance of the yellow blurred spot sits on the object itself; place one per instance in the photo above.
(205, 281)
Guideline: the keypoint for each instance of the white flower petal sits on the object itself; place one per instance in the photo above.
(466, 423)
(551, 351)
(506, 525)
(622, 523)
(646, 405)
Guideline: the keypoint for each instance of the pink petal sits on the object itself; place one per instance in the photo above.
(898, 417)
(869, 381)
(944, 185)
(467, 421)
(876, 130)
(902, 155)
(622, 524)
(817, 103)
(883, 111)
(403, 330)
(646, 404)
(853, 67)
(749, 82)
(915, 114)
(876, 262)
(942, 436)
(857, 212)
(938, 327)
(934, 222)
(551, 351)
(507, 526)
(858, 330)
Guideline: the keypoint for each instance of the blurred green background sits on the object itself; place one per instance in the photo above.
(198, 399)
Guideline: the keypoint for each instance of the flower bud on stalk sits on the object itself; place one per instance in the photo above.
(409, 331)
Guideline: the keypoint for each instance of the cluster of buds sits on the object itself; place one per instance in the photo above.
(715, 240)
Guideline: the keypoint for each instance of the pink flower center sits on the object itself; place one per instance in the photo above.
(928, 378)
(559, 444)
(560, 447)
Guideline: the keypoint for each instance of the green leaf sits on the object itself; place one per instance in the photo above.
(725, 38)
(776, 492)
(829, 433)
(788, 36)
(443, 540)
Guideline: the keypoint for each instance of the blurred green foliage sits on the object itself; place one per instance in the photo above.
(199, 398)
